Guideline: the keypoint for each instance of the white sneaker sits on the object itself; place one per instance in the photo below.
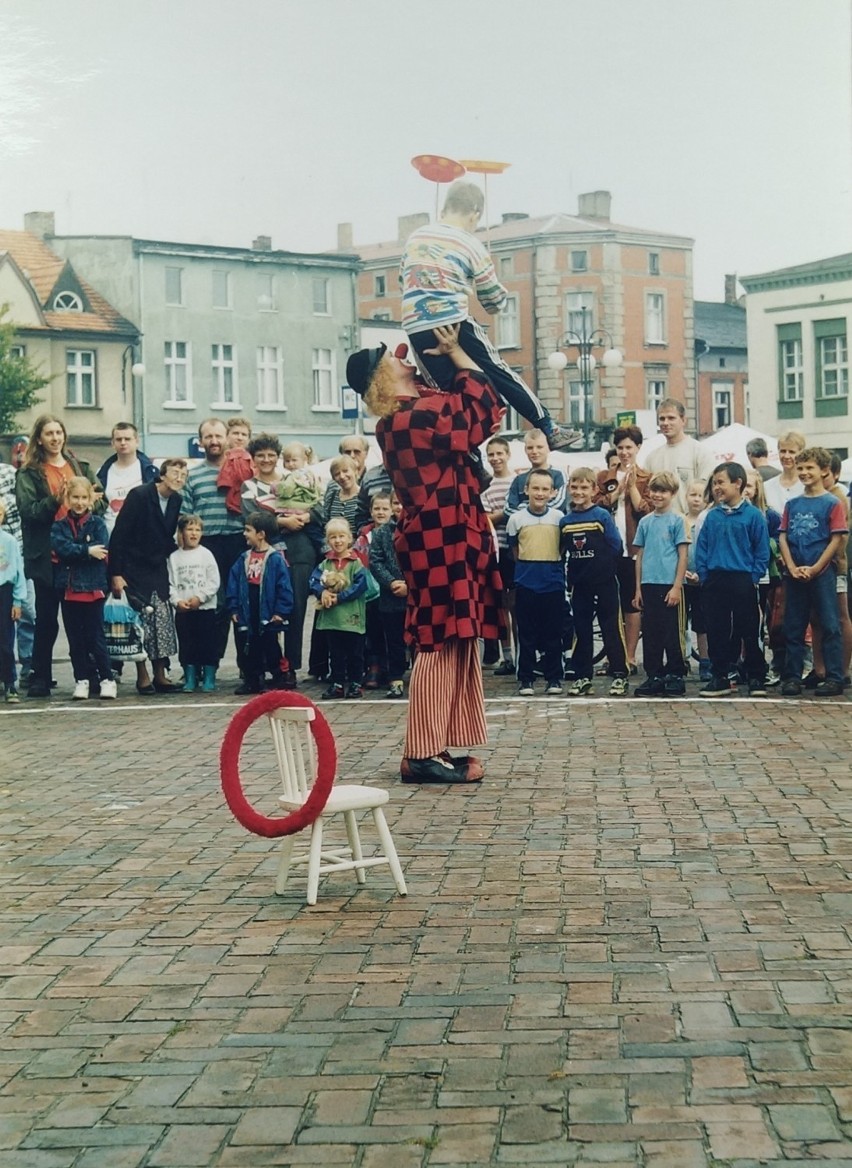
(81, 691)
(109, 690)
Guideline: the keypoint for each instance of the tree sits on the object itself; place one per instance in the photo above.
(20, 382)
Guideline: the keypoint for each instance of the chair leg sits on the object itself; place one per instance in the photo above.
(355, 844)
(314, 858)
(389, 850)
(284, 864)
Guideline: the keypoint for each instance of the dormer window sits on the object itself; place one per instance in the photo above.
(67, 302)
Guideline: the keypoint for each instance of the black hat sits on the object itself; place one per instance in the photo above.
(361, 366)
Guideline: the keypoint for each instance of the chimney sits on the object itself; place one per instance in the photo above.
(731, 289)
(408, 223)
(345, 237)
(595, 205)
(40, 223)
(262, 243)
(514, 216)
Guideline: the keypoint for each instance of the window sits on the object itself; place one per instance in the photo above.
(507, 266)
(655, 318)
(178, 373)
(322, 297)
(509, 324)
(18, 351)
(722, 362)
(723, 395)
(80, 377)
(326, 390)
(221, 289)
(833, 366)
(655, 392)
(791, 368)
(270, 381)
(382, 314)
(266, 294)
(653, 263)
(579, 261)
(511, 420)
(174, 285)
(380, 286)
(575, 413)
(67, 302)
(224, 365)
(579, 312)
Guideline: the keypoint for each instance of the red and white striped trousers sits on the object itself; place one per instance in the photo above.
(446, 703)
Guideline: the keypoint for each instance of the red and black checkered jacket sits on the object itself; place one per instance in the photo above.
(443, 542)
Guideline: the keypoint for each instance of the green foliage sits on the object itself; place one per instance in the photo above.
(19, 381)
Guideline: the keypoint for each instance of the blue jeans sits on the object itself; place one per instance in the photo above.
(25, 629)
(800, 598)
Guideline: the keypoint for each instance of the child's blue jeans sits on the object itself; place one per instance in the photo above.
(819, 595)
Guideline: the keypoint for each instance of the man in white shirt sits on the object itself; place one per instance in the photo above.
(127, 468)
(681, 456)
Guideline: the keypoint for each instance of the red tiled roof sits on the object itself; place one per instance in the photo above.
(43, 267)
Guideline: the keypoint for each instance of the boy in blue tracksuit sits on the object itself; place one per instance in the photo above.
(592, 548)
(731, 557)
(259, 598)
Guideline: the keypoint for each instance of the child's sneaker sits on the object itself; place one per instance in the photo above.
(109, 690)
(791, 688)
(354, 691)
(12, 697)
(504, 669)
(395, 690)
(333, 691)
(81, 691)
(717, 687)
(554, 688)
(619, 688)
(560, 437)
(582, 686)
(526, 689)
(651, 687)
(675, 687)
(757, 688)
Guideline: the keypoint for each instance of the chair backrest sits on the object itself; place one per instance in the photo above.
(295, 750)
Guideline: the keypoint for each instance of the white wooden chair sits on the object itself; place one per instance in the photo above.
(297, 765)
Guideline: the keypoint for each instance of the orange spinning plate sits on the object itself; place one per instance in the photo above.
(478, 166)
(437, 169)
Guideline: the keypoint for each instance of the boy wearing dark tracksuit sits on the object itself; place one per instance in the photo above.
(731, 556)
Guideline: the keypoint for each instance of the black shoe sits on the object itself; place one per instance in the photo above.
(675, 686)
(757, 688)
(791, 688)
(38, 689)
(651, 687)
(504, 669)
(248, 687)
(354, 691)
(811, 680)
(717, 687)
(829, 689)
(333, 691)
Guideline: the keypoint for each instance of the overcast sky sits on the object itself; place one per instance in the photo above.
(729, 121)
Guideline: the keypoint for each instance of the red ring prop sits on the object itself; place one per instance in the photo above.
(229, 767)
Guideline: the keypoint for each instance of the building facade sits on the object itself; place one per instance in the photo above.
(721, 362)
(230, 331)
(799, 321)
(565, 274)
(71, 334)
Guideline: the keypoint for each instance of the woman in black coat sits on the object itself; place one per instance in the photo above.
(139, 548)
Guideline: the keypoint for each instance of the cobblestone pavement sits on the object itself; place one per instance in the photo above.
(630, 945)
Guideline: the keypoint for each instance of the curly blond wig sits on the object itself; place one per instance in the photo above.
(380, 399)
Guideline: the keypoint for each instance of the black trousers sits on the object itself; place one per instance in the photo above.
(261, 646)
(196, 633)
(226, 551)
(603, 599)
(7, 636)
(48, 600)
(347, 656)
(732, 612)
(84, 628)
(393, 627)
(539, 616)
(663, 631)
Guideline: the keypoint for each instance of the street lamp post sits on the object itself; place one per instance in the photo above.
(137, 369)
(585, 340)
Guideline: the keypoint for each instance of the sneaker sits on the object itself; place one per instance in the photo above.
(791, 688)
(504, 669)
(526, 689)
(554, 688)
(582, 686)
(249, 687)
(109, 690)
(756, 688)
(81, 691)
(829, 689)
(717, 687)
(619, 688)
(12, 697)
(396, 690)
(772, 679)
(39, 689)
(354, 691)
(651, 687)
(333, 691)
(674, 687)
(561, 437)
